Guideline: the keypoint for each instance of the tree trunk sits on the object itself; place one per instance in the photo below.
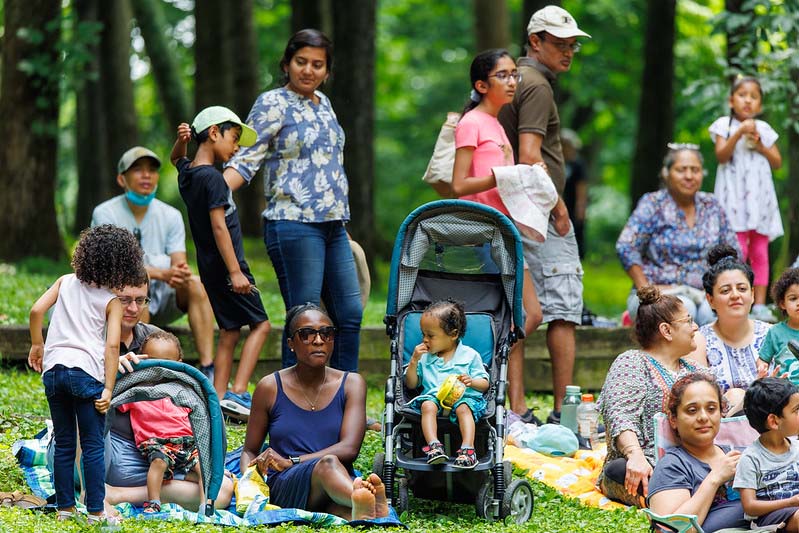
(353, 96)
(114, 93)
(792, 181)
(250, 200)
(656, 108)
(94, 163)
(491, 24)
(311, 14)
(29, 105)
(735, 38)
(166, 71)
(213, 55)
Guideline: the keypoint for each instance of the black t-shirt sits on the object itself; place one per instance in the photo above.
(203, 188)
(575, 173)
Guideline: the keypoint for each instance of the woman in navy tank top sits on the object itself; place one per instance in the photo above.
(315, 417)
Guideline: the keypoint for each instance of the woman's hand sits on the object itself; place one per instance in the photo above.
(723, 468)
(638, 472)
(270, 459)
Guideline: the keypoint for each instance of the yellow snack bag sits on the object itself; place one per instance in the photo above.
(250, 486)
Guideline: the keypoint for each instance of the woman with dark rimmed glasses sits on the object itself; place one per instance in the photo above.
(315, 417)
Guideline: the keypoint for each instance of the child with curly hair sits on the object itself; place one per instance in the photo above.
(79, 360)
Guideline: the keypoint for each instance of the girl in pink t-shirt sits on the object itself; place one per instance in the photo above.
(481, 144)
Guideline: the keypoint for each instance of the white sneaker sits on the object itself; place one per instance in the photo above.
(762, 312)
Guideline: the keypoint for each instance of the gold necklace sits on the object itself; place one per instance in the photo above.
(318, 391)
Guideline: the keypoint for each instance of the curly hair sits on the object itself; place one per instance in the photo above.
(680, 386)
(654, 308)
(163, 336)
(451, 316)
(108, 256)
(781, 286)
(293, 314)
(723, 258)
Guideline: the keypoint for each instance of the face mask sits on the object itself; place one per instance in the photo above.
(140, 199)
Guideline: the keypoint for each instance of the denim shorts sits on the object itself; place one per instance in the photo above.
(557, 275)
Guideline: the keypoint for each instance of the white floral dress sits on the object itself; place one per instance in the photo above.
(744, 185)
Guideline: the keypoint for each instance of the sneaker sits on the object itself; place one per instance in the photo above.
(152, 507)
(529, 418)
(236, 406)
(208, 371)
(587, 318)
(372, 424)
(554, 417)
(466, 458)
(762, 312)
(435, 454)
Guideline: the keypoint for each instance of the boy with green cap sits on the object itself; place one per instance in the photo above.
(216, 232)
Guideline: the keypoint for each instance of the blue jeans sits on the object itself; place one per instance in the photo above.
(71, 393)
(313, 263)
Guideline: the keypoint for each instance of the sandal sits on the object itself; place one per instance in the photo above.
(466, 458)
(64, 515)
(152, 507)
(103, 519)
(435, 454)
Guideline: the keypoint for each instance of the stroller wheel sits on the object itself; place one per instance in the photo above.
(482, 504)
(402, 495)
(378, 464)
(517, 502)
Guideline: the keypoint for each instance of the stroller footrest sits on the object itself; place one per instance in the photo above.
(420, 464)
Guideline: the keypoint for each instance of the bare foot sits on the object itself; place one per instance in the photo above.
(363, 500)
(381, 504)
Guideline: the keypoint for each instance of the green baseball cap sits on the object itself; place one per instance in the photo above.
(133, 155)
(217, 115)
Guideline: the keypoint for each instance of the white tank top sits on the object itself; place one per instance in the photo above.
(76, 335)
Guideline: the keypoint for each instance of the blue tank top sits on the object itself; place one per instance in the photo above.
(295, 431)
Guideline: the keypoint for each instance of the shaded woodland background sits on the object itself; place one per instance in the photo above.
(82, 80)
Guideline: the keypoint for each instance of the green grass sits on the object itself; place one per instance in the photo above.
(606, 286)
(23, 409)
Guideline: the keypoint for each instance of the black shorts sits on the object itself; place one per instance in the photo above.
(232, 310)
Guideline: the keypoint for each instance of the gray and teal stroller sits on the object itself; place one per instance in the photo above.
(472, 253)
(188, 387)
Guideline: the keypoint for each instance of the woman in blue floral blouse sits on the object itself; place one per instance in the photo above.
(666, 238)
(301, 147)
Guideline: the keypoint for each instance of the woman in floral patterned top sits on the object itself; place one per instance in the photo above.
(730, 345)
(637, 387)
(301, 147)
(665, 239)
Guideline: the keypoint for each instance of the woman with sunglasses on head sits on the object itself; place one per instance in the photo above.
(481, 144)
(315, 417)
(666, 238)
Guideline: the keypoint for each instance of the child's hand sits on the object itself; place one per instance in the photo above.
(748, 127)
(762, 367)
(239, 283)
(35, 357)
(466, 379)
(184, 133)
(104, 402)
(418, 352)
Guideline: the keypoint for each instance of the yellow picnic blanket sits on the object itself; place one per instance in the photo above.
(572, 476)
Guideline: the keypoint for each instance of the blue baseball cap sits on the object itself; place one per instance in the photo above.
(554, 440)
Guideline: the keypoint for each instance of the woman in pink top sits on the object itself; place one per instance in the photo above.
(481, 144)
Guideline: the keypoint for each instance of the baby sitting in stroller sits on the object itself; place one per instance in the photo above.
(441, 354)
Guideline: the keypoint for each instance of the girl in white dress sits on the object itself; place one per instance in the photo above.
(747, 152)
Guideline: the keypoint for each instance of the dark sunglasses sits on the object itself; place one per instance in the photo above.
(308, 335)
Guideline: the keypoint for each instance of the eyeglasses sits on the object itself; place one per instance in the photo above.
(687, 320)
(565, 47)
(127, 300)
(308, 335)
(137, 234)
(682, 146)
(504, 76)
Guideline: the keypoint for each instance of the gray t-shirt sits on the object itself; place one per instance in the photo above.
(773, 476)
(678, 469)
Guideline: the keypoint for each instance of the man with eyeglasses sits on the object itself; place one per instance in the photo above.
(134, 302)
(159, 227)
(532, 124)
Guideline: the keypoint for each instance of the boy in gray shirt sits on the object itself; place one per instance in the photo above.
(768, 472)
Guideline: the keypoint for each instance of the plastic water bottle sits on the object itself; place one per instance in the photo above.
(568, 411)
(588, 419)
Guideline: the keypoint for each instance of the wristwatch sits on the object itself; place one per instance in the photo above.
(295, 460)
